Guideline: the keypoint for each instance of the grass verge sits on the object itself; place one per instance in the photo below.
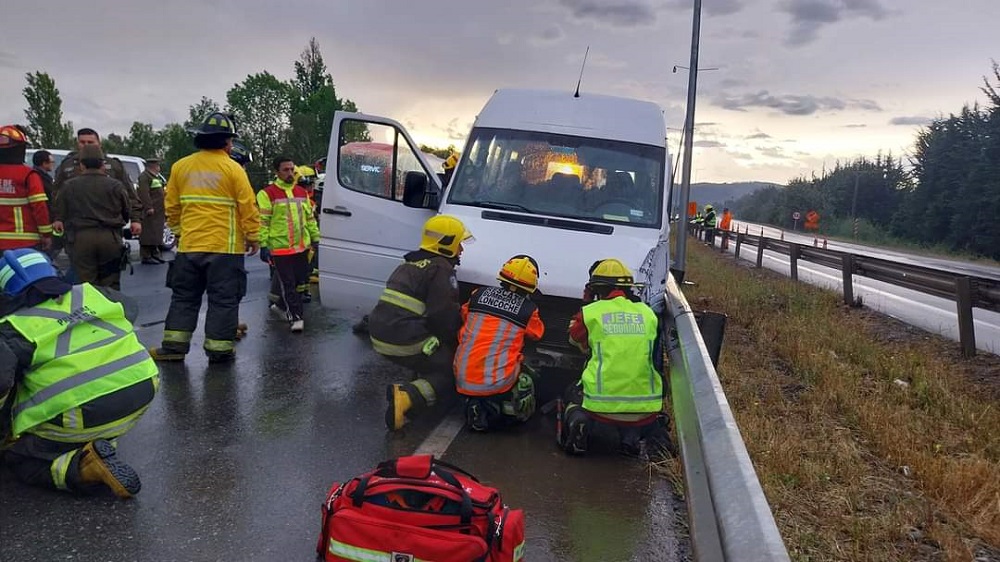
(872, 440)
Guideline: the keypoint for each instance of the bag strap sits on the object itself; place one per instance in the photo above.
(327, 509)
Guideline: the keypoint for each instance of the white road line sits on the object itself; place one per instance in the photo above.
(441, 437)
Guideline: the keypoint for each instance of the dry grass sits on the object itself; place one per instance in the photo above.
(856, 466)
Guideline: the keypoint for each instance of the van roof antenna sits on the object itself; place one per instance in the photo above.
(582, 66)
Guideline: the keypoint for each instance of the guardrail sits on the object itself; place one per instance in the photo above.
(728, 514)
(967, 291)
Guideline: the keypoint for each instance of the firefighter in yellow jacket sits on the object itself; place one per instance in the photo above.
(210, 204)
(73, 377)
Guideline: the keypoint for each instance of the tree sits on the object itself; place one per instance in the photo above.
(177, 144)
(439, 152)
(44, 113)
(143, 140)
(261, 104)
(200, 111)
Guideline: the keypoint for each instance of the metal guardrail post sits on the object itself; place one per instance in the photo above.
(793, 260)
(847, 267)
(966, 322)
(739, 242)
(761, 246)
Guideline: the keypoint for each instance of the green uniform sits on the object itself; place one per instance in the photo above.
(93, 208)
(70, 168)
(150, 194)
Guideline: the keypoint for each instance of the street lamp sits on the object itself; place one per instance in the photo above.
(676, 66)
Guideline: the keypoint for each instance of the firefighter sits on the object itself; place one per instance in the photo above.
(498, 388)
(89, 213)
(210, 204)
(73, 378)
(242, 156)
(306, 177)
(24, 207)
(416, 321)
(288, 233)
(709, 221)
(622, 384)
(449, 168)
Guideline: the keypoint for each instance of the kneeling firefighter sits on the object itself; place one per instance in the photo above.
(73, 378)
(622, 384)
(416, 321)
(499, 389)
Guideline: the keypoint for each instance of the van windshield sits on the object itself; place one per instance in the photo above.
(560, 175)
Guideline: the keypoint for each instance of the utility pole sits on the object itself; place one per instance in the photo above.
(854, 203)
(680, 255)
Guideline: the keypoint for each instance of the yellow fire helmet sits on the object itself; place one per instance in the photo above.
(520, 271)
(451, 162)
(612, 272)
(305, 176)
(443, 234)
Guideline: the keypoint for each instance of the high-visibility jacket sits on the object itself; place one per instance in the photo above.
(287, 221)
(210, 204)
(490, 343)
(24, 210)
(620, 376)
(709, 220)
(727, 220)
(85, 348)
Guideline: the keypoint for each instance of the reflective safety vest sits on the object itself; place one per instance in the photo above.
(287, 220)
(709, 220)
(84, 349)
(620, 377)
(489, 355)
(157, 182)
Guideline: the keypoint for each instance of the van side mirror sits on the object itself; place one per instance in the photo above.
(416, 192)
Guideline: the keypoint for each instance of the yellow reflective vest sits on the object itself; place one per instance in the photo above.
(210, 204)
(85, 348)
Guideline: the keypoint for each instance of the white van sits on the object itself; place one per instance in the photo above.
(567, 180)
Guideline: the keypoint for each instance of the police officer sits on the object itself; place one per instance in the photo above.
(416, 321)
(73, 377)
(89, 212)
(70, 167)
(210, 204)
(150, 192)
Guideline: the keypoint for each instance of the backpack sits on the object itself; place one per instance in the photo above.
(418, 508)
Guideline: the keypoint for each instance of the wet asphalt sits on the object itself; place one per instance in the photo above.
(235, 460)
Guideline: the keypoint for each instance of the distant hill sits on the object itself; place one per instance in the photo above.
(720, 193)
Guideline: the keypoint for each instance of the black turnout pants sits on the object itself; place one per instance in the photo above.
(191, 275)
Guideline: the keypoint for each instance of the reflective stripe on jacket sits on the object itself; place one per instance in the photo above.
(210, 204)
(287, 221)
(620, 376)
(490, 344)
(420, 301)
(24, 209)
(84, 349)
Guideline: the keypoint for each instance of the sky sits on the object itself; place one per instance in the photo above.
(798, 84)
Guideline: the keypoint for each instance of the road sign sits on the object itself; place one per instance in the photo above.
(796, 215)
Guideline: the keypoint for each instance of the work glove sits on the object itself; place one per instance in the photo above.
(265, 255)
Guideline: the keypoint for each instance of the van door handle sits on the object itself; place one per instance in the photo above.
(337, 211)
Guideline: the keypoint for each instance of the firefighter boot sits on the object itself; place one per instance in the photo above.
(399, 401)
(100, 465)
(161, 354)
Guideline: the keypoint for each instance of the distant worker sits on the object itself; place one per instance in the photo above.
(449, 168)
(499, 389)
(242, 156)
(210, 204)
(288, 232)
(709, 222)
(725, 226)
(154, 218)
(306, 177)
(90, 211)
(24, 207)
(622, 384)
(73, 378)
(416, 321)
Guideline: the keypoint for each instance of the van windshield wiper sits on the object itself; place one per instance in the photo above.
(504, 206)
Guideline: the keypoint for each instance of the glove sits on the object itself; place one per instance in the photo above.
(265, 255)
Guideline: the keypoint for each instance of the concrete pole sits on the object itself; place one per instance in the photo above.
(680, 255)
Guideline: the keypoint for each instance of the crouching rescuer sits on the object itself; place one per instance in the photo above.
(73, 378)
(622, 384)
(416, 321)
(499, 389)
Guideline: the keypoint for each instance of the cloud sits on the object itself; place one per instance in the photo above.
(711, 7)
(548, 36)
(855, 126)
(760, 136)
(8, 60)
(911, 120)
(792, 104)
(614, 13)
(773, 152)
(708, 144)
(810, 16)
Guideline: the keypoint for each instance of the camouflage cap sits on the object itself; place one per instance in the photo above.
(91, 152)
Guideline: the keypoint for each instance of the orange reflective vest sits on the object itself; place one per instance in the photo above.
(491, 341)
(727, 220)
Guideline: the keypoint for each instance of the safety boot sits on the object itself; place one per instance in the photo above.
(161, 354)
(298, 325)
(399, 403)
(99, 464)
